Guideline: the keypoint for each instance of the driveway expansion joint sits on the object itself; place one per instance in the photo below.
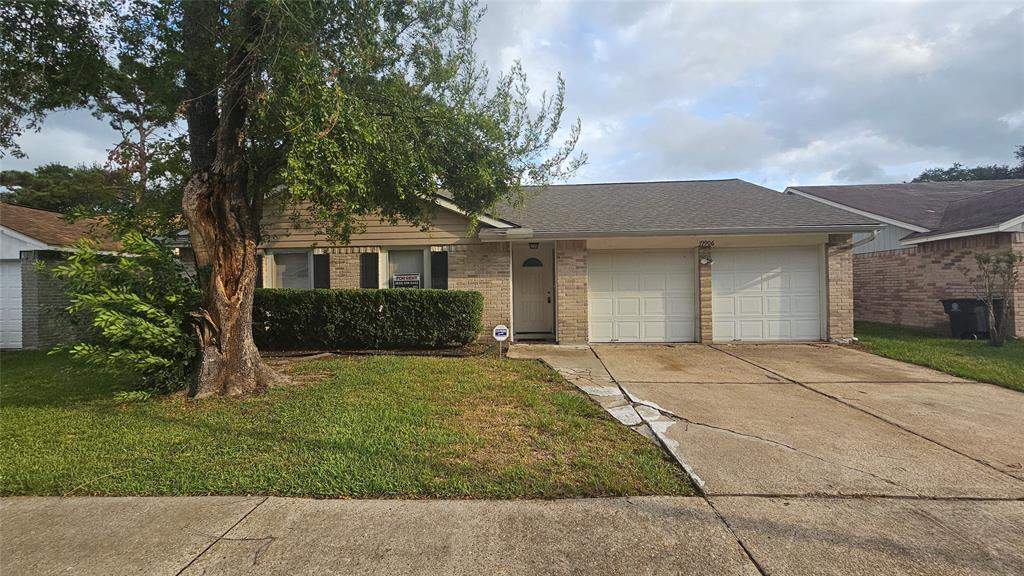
(872, 414)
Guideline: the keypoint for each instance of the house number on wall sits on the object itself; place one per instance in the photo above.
(706, 244)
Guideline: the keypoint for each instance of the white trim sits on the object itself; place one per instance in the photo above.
(27, 239)
(865, 213)
(1004, 227)
(384, 265)
(448, 204)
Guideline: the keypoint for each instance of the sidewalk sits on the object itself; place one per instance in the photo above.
(635, 536)
(228, 535)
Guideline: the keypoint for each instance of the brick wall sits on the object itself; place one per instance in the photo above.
(571, 284)
(840, 280)
(44, 322)
(345, 266)
(704, 295)
(486, 268)
(905, 286)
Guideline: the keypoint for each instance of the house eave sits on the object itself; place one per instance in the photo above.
(527, 234)
(993, 229)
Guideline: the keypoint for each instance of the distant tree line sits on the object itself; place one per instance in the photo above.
(958, 172)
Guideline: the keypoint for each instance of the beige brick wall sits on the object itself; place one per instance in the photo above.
(345, 266)
(839, 257)
(571, 284)
(486, 268)
(904, 286)
(705, 331)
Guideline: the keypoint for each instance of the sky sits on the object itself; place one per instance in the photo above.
(775, 93)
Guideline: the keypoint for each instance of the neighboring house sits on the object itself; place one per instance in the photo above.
(934, 231)
(30, 301)
(717, 260)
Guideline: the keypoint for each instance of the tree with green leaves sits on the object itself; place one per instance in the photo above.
(958, 172)
(349, 108)
(65, 189)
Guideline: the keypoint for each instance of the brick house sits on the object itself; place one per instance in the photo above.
(31, 301)
(926, 251)
(715, 260)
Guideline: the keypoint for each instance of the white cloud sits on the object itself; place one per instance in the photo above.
(777, 93)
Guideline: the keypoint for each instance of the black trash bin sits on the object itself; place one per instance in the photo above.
(968, 318)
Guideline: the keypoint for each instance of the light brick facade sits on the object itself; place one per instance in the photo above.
(839, 266)
(345, 266)
(486, 268)
(44, 324)
(571, 284)
(904, 286)
(705, 330)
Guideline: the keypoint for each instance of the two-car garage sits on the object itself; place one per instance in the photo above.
(758, 294)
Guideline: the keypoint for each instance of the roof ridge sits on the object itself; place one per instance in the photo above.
(4, 203)
(620, 183)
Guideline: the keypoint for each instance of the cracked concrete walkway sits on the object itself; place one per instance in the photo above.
(820, 451)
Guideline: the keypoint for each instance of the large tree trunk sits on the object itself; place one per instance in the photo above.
(222, 217)
(224, 239)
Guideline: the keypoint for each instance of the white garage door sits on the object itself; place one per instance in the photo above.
(641, 296)
(10, 304)
(767, 293)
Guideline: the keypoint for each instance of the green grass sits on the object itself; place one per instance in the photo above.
(973, 359)
(355, 427)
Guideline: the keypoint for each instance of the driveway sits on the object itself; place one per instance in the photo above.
(820, 451)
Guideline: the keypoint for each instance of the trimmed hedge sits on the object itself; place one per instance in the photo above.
(358, 319)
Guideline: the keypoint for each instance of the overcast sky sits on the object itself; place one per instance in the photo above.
(775, 93)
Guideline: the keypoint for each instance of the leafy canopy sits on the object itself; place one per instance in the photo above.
(135, 310)
(349, 108)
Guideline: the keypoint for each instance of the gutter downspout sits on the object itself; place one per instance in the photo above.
(863, 241)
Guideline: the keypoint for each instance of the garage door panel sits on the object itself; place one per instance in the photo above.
(600, 306)
(600, 330)
(626, 282)
(767, 293)
(650, 297)
(627, 330)
(749, 306)
(679, 306)
(601, 281)
(806, 305)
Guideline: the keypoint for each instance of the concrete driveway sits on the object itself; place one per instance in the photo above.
(824, 459)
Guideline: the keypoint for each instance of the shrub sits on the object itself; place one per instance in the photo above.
(333, 319)
(136, 310)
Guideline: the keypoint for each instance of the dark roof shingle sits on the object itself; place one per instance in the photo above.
(697, 206)
(921, 204)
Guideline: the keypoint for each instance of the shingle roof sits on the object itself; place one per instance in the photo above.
(922, 204)
(51, 228)
(979, 211)
(698, 206)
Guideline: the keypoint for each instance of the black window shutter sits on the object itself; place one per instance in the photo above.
(439, 270)
(368, 272)
(259, 271)
(321, 271)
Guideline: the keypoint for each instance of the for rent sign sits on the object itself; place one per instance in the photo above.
(405, 280)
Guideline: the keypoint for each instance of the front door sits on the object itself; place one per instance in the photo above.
(533, 290)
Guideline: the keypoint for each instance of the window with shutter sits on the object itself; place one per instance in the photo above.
(439, 270)
(369, 272)
(321, 271)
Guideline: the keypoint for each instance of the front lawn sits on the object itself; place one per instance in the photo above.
(973, 359)
(377, 426)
